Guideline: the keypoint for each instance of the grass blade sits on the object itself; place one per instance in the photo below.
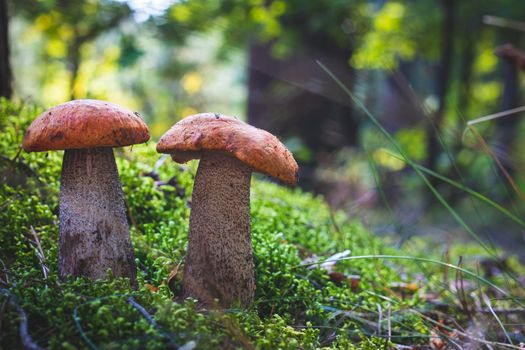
(486, 300)
(399, 149)
(419, 259)
(468, 190)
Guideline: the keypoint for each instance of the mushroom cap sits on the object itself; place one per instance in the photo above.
(255, 147)
(85, 124)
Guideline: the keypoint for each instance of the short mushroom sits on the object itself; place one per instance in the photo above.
(219, 260)
(94, 232)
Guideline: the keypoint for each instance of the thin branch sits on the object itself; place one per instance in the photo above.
(143, 311)
(5, 271)
(2, 309)
(389, 320)
(464, 334)
(504, 23)
(379, 318)
(40, 253)
(489, 151)
(27, 341)
(512, 54)
(493, 116)
(415, 258)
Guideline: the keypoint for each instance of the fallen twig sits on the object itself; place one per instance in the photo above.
(4, 269)
(20, 165)
(9, 201)
(389, 321)
(27, 341)
(40, 253)
(153, 323)
(380, 318)
(2, 309)
(143, 311)
(465, 335)
(188, 346)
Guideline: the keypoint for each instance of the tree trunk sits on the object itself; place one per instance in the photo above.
(74, 66)
(467, 61)
(259, 83)
(507, 126)
(294, 98)
(443, 79)
(5, 67)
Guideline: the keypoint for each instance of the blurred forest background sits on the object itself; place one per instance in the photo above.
(423, 68)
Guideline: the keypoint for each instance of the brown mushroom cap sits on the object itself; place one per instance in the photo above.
(255, 147)
(85, 124)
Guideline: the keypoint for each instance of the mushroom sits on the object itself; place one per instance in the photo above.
(94, 232)
(219, 259)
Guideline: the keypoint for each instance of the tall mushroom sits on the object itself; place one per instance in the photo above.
(94, 232)
(219, 260)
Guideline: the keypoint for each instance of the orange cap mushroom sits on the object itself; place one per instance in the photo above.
(85, 124)
(219, 260)
(255, 147)
(94, 232)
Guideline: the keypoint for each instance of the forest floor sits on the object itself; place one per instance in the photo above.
(323, 279)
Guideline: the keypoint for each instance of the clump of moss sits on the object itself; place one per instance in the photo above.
(296, 306)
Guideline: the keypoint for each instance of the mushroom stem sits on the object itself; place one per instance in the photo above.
(94, 232)
(219, 260)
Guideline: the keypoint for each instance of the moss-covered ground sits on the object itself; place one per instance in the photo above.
(362, 303)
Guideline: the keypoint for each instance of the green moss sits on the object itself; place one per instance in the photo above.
(295, 307)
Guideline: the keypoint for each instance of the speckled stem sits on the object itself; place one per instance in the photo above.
(94, 232)
(219, 260)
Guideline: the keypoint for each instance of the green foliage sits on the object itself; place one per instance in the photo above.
(98, 49)
(286, 25)
(385, 43)
(62, 33)
(296, 306)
